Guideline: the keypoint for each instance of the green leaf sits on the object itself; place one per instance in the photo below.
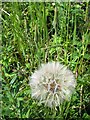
(13, 80)
(87, 56)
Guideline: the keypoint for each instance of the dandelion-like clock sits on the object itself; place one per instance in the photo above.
(52, 84)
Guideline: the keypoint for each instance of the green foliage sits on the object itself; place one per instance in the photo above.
(35, 33)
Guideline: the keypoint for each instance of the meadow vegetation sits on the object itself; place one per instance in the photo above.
(35, 33)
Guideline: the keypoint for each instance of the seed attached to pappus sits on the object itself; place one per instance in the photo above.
(52, 84)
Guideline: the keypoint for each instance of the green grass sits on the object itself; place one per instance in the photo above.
(35, 33)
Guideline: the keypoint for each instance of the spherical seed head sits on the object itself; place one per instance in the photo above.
(52, 83)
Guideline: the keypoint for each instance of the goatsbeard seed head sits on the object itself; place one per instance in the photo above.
(52, 84)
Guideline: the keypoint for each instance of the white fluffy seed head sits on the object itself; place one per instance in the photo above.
(52, 83)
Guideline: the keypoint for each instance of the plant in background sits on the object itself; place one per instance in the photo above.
(36, 32)
(52, 84)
